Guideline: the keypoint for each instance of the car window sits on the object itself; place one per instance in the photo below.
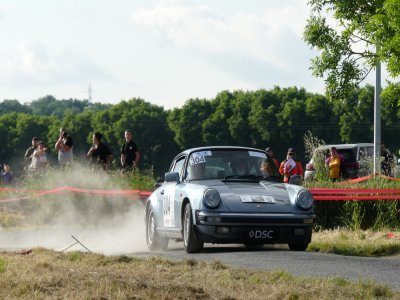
(349, 155)
(370, 151)
(221, 163)
(179, 165)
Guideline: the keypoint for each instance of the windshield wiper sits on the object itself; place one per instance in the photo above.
(247, 176)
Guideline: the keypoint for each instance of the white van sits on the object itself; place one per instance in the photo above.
(351, 154)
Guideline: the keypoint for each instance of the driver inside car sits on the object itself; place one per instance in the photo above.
(239, 167)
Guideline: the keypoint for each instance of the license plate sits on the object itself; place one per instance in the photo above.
(259, 235)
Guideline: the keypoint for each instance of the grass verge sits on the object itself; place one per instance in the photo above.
(76, 275)
(356, 243)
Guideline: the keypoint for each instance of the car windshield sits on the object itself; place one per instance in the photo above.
(230, 164)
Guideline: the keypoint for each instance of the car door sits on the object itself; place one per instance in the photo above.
(169, 205)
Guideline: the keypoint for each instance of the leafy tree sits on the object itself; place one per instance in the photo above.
(9, 106)
(150, 131)
(263, 118)
(216, 128)
(347, 48)
(239, 126)
(186, 122)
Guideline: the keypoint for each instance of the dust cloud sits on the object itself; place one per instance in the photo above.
(107, 224)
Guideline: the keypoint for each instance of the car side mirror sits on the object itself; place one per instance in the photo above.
(172, 177)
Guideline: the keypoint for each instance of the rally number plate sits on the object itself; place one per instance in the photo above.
(260, 235)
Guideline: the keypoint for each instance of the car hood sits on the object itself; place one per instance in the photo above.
(259, 197)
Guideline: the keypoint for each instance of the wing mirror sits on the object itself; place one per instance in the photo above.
(172, 177)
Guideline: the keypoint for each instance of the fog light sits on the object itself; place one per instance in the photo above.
(214, 219)
(223, 230)
(299, 231)
(308, 221)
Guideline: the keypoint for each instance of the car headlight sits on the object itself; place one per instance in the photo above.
(304, 200)
(211, 198)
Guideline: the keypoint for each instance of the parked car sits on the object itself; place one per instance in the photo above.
(219, 194)
(352, 153)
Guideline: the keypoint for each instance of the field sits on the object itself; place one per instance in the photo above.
(114, 227)
(76, 275)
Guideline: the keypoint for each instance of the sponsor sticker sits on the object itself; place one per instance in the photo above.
(261, 234)
(199, 157)
(257, 154)
(257, 199)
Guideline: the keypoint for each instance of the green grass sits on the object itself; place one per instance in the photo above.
(2, 265)
(356, 243)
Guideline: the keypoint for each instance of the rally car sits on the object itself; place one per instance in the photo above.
(227, 194)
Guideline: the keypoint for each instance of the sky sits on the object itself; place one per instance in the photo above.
(163, 51)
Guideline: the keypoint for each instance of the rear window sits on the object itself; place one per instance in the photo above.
(348, 154)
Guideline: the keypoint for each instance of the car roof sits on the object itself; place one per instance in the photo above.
(345, 146)
(188, 151)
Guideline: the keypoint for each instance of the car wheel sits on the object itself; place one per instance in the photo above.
(191, 242)
(153, 240)
(298, 247)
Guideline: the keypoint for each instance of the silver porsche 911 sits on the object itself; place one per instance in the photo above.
(226, 194)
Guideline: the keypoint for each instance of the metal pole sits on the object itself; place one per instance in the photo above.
(377, 119)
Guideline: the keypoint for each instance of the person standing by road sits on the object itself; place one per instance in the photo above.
(64, 146)
(272, 156)
(99, 153)
(130, 154)
(7, 175)
(290, 167)
(29, 152)
(39, 158)
(335, 164)
(387, 161)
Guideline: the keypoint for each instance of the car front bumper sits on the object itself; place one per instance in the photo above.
(254, 228)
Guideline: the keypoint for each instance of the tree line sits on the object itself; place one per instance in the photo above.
(279, 117)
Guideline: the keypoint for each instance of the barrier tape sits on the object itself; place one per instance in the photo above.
(368, 177)
(126, 193)
(319, 194)
(329, 194)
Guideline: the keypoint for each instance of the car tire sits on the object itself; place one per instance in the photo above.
(153, 240)
(191, 241)
(297, 247)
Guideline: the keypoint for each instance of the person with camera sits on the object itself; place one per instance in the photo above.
(39, 158)
(64, 146)
(99, 154)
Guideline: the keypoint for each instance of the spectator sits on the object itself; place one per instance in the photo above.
(28, 154)
(272, 156)
(64, 146)
(130, 154)
(99, 153)
(39, 158)
(266, 169)
(387, 161)
(7, 175)
(290, 167)
(335, 164)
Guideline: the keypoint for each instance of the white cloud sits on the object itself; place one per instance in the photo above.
(200, 30)
(3, 10)
(35, 64)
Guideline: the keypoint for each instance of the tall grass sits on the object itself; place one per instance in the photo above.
(353, 215)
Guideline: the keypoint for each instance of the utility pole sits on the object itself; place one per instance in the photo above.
(90, 93)
(377, 118)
